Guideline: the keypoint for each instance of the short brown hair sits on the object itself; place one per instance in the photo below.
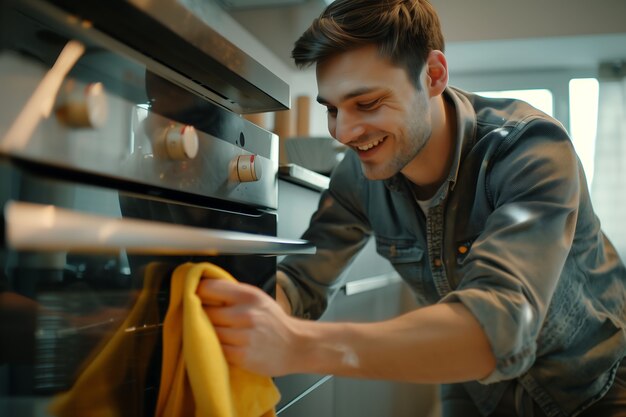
(404, 30)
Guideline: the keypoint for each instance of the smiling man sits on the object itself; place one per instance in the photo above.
(375, 108)
(480, 205)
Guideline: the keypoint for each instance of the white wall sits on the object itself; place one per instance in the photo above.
(483, 37)
(463, 21)
(475, 20)
(304, 83)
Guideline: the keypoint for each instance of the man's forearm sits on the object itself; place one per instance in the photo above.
(437, 344)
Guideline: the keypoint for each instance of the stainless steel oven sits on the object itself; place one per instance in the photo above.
(123, 153)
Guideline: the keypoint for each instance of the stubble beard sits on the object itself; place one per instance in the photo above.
(419, 133)
(407, 143)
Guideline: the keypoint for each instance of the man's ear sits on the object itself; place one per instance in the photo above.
(436, 73)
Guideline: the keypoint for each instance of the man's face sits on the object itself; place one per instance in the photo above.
(375, 109)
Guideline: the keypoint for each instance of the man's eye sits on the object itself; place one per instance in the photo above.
(368, 105)
(331, 111)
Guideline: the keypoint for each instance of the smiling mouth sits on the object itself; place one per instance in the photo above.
(371, 145)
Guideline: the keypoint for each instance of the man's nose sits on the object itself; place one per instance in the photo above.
(348, 127)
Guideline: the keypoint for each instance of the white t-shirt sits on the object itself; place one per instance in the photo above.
(425, 204)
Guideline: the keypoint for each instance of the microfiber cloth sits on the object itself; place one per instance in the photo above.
(195, 377)
(99, 389)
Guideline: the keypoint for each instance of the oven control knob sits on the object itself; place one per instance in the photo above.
(181, 142)
(248, 168)
(86, 107)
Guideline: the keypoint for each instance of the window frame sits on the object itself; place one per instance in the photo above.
(554, 80)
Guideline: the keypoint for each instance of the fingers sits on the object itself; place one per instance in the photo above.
(229, 316)
(232, 337)
(249, 324)
(229, 304)
(234, 355)
(236, 344)
(219, 292)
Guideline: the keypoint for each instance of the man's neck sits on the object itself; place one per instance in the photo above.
(431, 167)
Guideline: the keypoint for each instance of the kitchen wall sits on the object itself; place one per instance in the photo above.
(462, 21)
(483, 37)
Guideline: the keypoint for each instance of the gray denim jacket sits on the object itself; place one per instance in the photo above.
(512, 235)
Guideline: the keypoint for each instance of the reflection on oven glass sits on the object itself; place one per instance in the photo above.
(107, 382)
(85, 336)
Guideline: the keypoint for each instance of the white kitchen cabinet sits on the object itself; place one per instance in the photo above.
(374, 398)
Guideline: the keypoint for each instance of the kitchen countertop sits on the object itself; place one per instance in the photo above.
(302, 176)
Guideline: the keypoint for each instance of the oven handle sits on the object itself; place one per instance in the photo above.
(30, 226)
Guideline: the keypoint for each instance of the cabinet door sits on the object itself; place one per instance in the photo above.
(372, 398)
(296, 204)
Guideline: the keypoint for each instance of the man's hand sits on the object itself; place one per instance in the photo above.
(255, 332)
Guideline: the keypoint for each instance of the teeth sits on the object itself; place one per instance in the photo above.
(369, 145)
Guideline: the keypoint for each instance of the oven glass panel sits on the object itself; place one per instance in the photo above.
(63, 313)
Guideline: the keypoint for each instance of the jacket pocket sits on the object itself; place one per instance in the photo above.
(408, 260)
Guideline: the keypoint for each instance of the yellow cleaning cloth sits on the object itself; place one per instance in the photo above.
(99, 390)
(195, 377)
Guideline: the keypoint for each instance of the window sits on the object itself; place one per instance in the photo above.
(540, 98)
(583, 116)
(569, 96)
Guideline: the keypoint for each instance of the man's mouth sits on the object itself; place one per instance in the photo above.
(371, 145)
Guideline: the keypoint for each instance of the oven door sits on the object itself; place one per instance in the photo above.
(62, 312)
(116, 166)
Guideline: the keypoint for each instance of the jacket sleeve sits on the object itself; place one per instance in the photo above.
(512, 269)
(339, 229)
